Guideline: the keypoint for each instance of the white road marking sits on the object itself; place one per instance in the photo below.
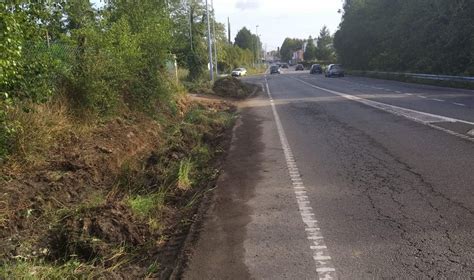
(417, 116)
(323, 261)
(407, 93)
(421, 96)
(436, 99)
(397, 91)
(459, 104)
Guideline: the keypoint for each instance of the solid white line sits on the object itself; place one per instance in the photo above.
(323, 261)
(417, 116)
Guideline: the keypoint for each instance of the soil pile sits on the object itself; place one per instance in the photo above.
(233, 88)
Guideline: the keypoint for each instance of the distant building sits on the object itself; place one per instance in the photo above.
(271, 56)
(297, 57)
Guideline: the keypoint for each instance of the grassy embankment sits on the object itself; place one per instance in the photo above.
(85, 198)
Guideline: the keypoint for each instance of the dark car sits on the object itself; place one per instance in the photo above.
(316, 69)
(284, 65)
(275, 70)
(299, 67)
(334, 70)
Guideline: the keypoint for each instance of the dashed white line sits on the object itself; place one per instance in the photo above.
(421, 96)
(323, 261)
(459, 104)
(436, 99)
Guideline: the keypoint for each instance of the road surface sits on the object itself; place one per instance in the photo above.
(344, 178)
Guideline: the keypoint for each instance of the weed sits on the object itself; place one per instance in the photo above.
(153, 268)
(33, 270)
(144, 205)
(184, 181)
(132, 177)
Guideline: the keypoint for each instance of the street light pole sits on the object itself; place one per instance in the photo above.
(209, 43)
(214, 35)
(256, 45)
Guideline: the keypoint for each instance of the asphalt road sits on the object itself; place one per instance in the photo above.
(344, 178)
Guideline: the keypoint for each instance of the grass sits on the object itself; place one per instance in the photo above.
(150, 192)
(145, 205)
(39, 270)
(184, 178)
(37, 128)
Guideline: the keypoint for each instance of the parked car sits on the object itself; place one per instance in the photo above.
(275, 70)
(316, 69)
(284, 65)
(299, 67)
(239, 72)
(334, 70)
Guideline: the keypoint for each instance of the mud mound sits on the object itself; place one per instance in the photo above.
(96, 233)
(233, 87)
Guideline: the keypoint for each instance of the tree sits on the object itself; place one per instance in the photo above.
(310, 52)
(324, 50)
(246, 40)
(288, 47)
(381, 35)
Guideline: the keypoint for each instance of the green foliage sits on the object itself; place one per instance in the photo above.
(233, 57)
(310, 51)
(144, 205)
(26, 70)
(184, 176)
(325, 50)
(288, 47)
(40, 270)
(248, 41)
(419, 36)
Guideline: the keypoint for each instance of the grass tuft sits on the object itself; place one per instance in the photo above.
(184, 180)
(27, 270)
(145, 205)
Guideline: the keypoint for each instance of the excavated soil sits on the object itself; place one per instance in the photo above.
(50, 213)
(233, 88)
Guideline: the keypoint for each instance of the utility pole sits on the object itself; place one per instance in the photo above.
(214, 32)
(256, 44)
(228, 30)
(209, 42)
(191, 19)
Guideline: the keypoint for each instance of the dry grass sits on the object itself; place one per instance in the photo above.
(37, 128)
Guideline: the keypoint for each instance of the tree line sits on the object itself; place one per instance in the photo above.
(102, 59)
(320, 49)
(429, 36)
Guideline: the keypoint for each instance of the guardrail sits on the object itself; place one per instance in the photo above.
(420, 76)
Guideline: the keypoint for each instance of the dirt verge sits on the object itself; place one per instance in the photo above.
(118, 202)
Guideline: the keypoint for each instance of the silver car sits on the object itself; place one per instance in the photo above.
(334, 70)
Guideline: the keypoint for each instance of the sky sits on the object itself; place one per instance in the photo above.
(278, 19)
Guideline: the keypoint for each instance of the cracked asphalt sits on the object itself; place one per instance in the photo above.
(394, 198)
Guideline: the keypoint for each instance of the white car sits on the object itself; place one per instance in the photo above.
(239, 72)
